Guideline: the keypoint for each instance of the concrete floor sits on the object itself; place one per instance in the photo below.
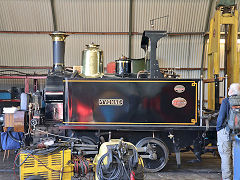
(209, 168)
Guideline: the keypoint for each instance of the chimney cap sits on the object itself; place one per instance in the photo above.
(58, 33)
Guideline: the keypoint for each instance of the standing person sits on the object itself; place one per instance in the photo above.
(224, 141)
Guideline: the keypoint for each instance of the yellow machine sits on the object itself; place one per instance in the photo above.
(226, 15)
(52, 167)
(120, 159)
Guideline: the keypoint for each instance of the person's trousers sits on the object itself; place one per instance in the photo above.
(225, 151)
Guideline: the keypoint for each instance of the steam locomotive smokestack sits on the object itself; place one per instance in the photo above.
(58, 51)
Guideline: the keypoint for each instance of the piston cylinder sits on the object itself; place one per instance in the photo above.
(92, 61)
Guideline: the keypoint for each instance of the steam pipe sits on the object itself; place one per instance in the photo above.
(53, 16)
(58, 51)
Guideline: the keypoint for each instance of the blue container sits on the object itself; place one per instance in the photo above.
(5, 95)
(236, 151)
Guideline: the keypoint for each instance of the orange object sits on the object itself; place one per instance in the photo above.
(132, 175)
(111, 68)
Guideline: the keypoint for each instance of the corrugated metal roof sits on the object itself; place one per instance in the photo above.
(175, 51)
(25, 15)
(184, 16)
(6, 84)
(25, 50)
(196, 48)
(92, 15)
(113, 47)
(193, 74)
(103, 15)
(137, 51)
(36, 49)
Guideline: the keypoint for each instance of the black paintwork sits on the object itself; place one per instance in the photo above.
(54, 112)
(146, 103)
(154, 37)
(58, 52)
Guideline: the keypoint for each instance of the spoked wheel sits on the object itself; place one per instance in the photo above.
(154, 153)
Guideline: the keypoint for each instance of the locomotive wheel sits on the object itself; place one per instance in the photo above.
(160, 154)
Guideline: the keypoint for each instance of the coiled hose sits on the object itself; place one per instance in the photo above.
(115, 173)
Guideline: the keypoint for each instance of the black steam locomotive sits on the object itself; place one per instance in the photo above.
(160, 115)
(157, 113)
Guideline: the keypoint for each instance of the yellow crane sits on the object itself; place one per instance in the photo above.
(226, 15)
